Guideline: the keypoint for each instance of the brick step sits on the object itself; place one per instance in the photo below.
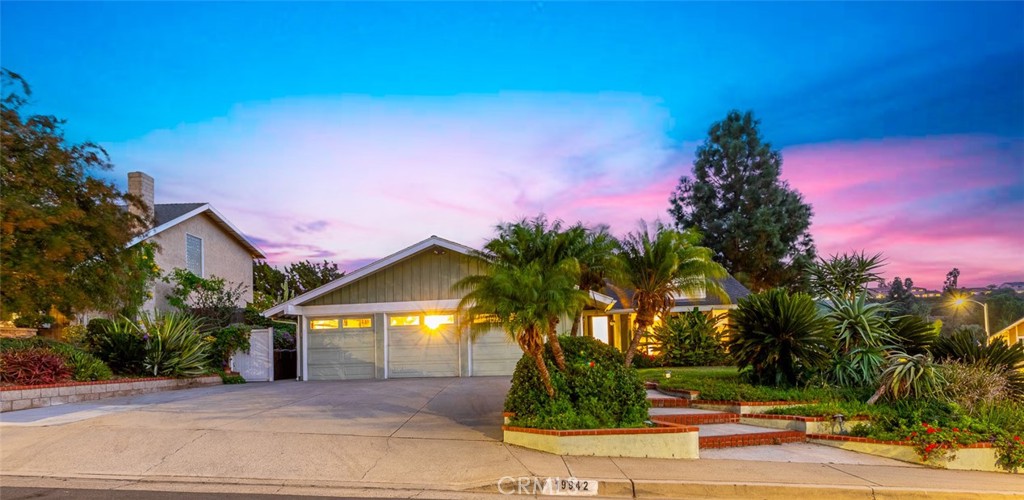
(669, 402)
(732, 435)
(699, 418)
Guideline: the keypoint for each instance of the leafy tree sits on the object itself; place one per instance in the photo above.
(272, 286)
(658, 266)
(845, 276)
(594, 250)
(754, 222)
(305, 275)
(950, 284)
(64, 232)
(211, 301)
(1004, 307)
(900, 298)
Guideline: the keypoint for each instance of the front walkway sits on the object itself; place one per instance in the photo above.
(439, 436)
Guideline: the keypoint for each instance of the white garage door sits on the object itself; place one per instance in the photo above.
(416, 351)
(493, 354)
(341, 354)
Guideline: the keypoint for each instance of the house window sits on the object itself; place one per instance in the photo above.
(323, 324)
(194, 254)
(357, 323)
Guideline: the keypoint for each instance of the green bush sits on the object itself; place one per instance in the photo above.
(95, 330)
(998, 356)
(120, 344)
(780, 337)
(596, 390)
(226, 341)
(75, 335)
(83, 366)
(689, 339)
(174, 345)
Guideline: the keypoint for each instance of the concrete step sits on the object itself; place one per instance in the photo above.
(691, 416)
(729, 435)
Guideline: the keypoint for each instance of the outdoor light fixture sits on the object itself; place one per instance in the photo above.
(960, 301)
(840, 419)
(668, 374)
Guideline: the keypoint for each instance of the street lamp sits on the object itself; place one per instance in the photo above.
(961, 301)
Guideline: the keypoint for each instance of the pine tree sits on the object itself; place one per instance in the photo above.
(756, 224)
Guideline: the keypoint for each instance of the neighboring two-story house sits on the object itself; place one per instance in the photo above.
(193, 236)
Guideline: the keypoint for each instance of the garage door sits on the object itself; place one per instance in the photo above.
(493, 354)
(341, 353)
(417, 351)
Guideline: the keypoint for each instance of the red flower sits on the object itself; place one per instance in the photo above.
(930, 447)
(1016, 438)
(956, 430)
(932, 430)
(913, 434)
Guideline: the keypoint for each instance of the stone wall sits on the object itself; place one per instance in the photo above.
(24, 397)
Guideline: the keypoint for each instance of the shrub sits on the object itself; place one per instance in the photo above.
(231, 379)
(226, 341)
(1010, 452)
(780, 337)
(75, 335)
(1007, 359)
(912, 334)
(84, 366)
(909, 376)
(121, 345)
(95, 330)
(595, 391)
(174, 346)
(689, 339)
(973, 385)
(33, 366)
(283, 340)
(861, 333)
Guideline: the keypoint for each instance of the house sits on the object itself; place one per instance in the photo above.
(397, 318)
(1012, 334)
(193, 236)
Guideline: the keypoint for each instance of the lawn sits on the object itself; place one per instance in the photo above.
(723, 383)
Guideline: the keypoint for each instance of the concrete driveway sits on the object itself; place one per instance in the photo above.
(449, 428)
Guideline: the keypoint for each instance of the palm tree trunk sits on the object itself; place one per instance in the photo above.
(576, 320)
(878, 394)
(634, 343)
(542, 367)
(556, 346)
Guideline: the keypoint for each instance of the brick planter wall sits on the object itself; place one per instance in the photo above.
(668, 441)
(36, 396)
(809, 425)
(978, 456)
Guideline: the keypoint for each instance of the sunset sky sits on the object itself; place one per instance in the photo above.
(349, 131)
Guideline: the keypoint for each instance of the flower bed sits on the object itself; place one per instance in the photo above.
(977, 456)
(36, 396)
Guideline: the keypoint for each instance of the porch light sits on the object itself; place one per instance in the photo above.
(434, 321)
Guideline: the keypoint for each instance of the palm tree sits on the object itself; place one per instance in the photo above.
(523, 298)
(594, 249)
(659, 266)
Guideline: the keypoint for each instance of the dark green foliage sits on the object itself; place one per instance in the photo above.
(912, 335)
(950, 285)
(900, 297)
(231, 379)
(1004, 306)
(95, 330)
(726, 384)
(212, 301)
(271, 285)
(226, 341)
(689, 339)
(780, 337)
(1007, 359)
(121, 346)
(595, 391)
(755, 223)
(83, 366)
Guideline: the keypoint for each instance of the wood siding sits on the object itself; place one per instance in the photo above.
(424, 276)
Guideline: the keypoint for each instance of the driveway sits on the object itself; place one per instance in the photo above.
(365, 431)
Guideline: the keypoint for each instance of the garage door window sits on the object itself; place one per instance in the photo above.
(405, 321)
(357, 323)
(323, 324)
(435, 321)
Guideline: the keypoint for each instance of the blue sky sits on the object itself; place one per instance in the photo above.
(449, 117)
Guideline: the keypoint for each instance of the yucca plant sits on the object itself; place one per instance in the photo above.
(780, 337)
(912, 334)
(845, 275)
(862, 337)
(916, 376)
(174, 345)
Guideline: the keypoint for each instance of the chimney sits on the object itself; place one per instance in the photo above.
(141, 185)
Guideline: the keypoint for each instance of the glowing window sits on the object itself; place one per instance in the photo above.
(435, 321)
(405, 321)
(487, 318)
(357, 323)
(323, 324)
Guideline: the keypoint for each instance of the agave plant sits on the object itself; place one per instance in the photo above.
(862, 336)
(779, 336)
(174, 345)
(845, 275)
(912, 334)
(916, 376)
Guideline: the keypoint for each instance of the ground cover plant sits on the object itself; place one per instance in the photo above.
(33, 359)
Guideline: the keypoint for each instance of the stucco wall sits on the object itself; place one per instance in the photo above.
(223, 256)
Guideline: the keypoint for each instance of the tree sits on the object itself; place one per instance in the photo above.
(1005, 306)
(845, 276)
(594, 250)
(305, 275)
(525, 286)
(272, 286)
(900, 297)
(756, 225)
(64, 232)
(658, 266)
(949, 285)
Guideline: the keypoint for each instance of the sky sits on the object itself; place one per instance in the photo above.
(348, 131)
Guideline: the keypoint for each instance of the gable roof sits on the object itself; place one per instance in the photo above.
(370, 269)
(168, 215)
(733, 288)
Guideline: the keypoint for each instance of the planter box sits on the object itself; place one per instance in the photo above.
(37, 396)
(979, 456)
(8, 332)
(807, 425)
(647, 442)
